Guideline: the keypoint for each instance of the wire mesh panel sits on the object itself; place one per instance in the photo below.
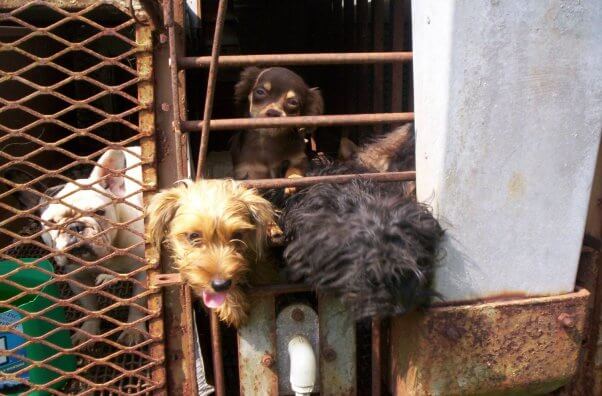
(76, 156)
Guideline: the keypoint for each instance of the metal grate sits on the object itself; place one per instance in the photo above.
(75, 82)
(215, 62)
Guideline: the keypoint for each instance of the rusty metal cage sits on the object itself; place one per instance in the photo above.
(257, 374)
(76, 82)
(78, 79)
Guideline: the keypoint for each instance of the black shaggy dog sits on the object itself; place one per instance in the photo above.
(370, 241)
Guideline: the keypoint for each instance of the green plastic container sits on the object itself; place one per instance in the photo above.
(31, 276)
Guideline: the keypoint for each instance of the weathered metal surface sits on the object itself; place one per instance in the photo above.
(527, 346)
(296, 319)
(177, 303)
(309, 180)
(177, 113)
(337, 345)
(218, 361)
(324, 120)
(335, 58)
(211, 80)
(146, 120)
(376, 356)
(257, 349)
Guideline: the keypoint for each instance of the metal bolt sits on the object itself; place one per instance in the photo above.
(566, 320)
(297, 315)
(267, 360)
(329, 354)
(165, 106)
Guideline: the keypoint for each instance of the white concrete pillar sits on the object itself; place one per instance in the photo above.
(508, 101)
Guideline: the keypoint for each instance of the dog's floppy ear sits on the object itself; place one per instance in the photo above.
(160, 212)
(243, 87)
(347, 149)
(314, 104)
(108, 163)
(262, 215)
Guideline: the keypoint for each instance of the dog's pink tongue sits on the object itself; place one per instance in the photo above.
(213, 300)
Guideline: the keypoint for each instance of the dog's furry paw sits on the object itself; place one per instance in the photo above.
(291, 190)
(103, 278)
(132, 336)
(275, 235)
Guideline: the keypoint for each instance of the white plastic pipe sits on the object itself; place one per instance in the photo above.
(303, 365)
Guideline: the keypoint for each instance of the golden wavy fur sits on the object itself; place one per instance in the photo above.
(217, 231)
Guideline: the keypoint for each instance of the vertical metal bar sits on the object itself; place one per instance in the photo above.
(177, 305)
(218, 363)
(168, 8)
(213, 67)
(378, 21)
(398, 16)
(376, 356)
(146, 121)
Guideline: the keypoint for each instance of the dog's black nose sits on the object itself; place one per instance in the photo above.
(76, 226)
(273, 113)
(221, 284)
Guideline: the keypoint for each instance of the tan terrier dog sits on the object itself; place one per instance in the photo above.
(217, 231)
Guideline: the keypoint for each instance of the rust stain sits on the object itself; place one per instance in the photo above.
(516, 186)
(529, 346)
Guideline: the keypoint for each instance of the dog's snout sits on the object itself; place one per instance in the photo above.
(77, 227)
(220, 285)
(273, 113)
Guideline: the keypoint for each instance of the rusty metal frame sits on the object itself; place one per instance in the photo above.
(142, 106)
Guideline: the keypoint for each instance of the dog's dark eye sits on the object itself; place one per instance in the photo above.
(292, 102)
(260, 92)
(238, 236)
(100, 212)
(194, 237)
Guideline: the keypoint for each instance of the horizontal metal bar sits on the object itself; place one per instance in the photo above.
(309, 180)
(334, 58)
(313, 121)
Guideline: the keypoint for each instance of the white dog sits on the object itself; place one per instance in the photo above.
(83, 223)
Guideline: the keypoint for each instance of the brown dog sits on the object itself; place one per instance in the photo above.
(267, 152)
(217, 231)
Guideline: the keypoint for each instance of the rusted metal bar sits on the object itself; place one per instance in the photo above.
(309, 180)
(168, 9)
(213, 67)
(177, 304)
(272, 122)
(146, 120)
(218, 363)
(376, 356)
(333, 58)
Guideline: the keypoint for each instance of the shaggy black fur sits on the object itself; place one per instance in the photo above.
(367, 240)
